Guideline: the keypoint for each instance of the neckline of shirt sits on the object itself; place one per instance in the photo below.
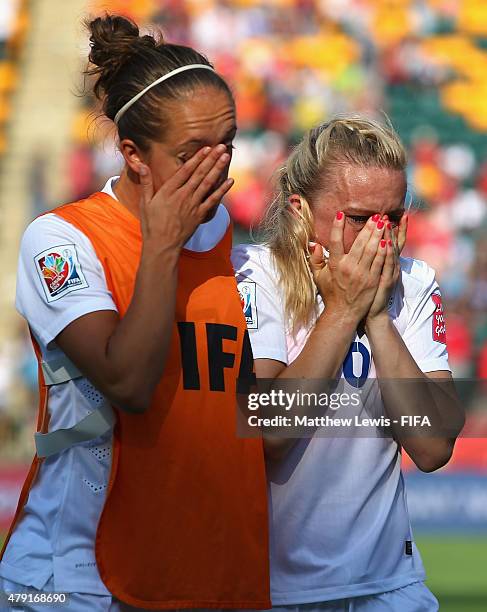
(205, 237)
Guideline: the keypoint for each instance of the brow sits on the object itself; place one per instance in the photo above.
(366, 213)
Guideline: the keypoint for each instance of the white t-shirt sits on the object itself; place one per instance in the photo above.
(59, 280)
(338, 514)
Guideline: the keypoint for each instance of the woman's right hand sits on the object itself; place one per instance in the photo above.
(170, 216)
(348, 282)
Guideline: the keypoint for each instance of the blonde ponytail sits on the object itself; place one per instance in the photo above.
(288, 232)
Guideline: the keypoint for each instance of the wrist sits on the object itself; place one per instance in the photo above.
(157, 255)
(378, 322)
(345, 321)
(163, 266)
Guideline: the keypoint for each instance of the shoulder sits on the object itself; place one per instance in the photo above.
(417, 277)
(50, 248)
(252, 258)
(44, 222)
(48, 229)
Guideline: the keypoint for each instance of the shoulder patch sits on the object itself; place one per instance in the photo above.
(247, 291)
(60, 271)
(439, 327)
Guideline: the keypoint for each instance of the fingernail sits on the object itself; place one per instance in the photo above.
(375, 218)
(225, 157)
(389, 226)
(206, 150)
(312, 244)
(220, 148)
(380, 225)
(383, 244)
(389, 242)
(339, 216)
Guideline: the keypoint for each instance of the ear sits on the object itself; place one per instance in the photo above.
(132, 155)
(295, 201)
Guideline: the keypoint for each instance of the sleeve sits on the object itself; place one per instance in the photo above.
(261, 302)
(425, 333)
(59, 277)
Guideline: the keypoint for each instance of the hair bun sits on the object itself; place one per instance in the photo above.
(114, 40)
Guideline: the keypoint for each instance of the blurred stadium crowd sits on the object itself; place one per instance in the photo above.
(293, 64)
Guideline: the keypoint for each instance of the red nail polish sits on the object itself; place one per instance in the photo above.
(389, 226)
(380, 225)
(383, 244)
(339, 216)
(375, 218)
(389, 242)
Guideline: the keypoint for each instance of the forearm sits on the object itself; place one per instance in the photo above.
(325, 349)
(316, 367)
(137, 350)
(425, 415)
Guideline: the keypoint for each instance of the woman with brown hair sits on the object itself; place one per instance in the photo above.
(140, 491)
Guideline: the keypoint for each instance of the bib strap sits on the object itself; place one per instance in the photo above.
(59, 370)
(92, 426)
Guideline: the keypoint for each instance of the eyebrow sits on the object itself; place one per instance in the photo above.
(366, 213)
(200, 142)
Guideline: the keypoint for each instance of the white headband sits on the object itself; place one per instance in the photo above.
(126, 106)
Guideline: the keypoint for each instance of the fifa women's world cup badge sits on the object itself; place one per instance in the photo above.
(60, 271)
(247, 291)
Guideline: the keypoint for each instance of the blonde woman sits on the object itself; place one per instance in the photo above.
(329, 297)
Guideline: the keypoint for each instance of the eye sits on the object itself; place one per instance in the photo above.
(395, 220)
(183, 158)
(358, 219)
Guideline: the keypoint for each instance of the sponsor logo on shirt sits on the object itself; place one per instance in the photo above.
(247, 290)
(439, 328)
(60, 271)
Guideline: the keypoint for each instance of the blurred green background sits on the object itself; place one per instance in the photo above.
(456, 567)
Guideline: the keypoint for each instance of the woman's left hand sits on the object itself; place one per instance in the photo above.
(390, 271)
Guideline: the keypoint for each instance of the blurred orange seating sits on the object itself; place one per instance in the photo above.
(8, 76)
(391, 22)
(138, 10)
(472, 17)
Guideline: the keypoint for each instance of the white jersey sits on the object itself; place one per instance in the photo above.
(339, 523)
(55, 536)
